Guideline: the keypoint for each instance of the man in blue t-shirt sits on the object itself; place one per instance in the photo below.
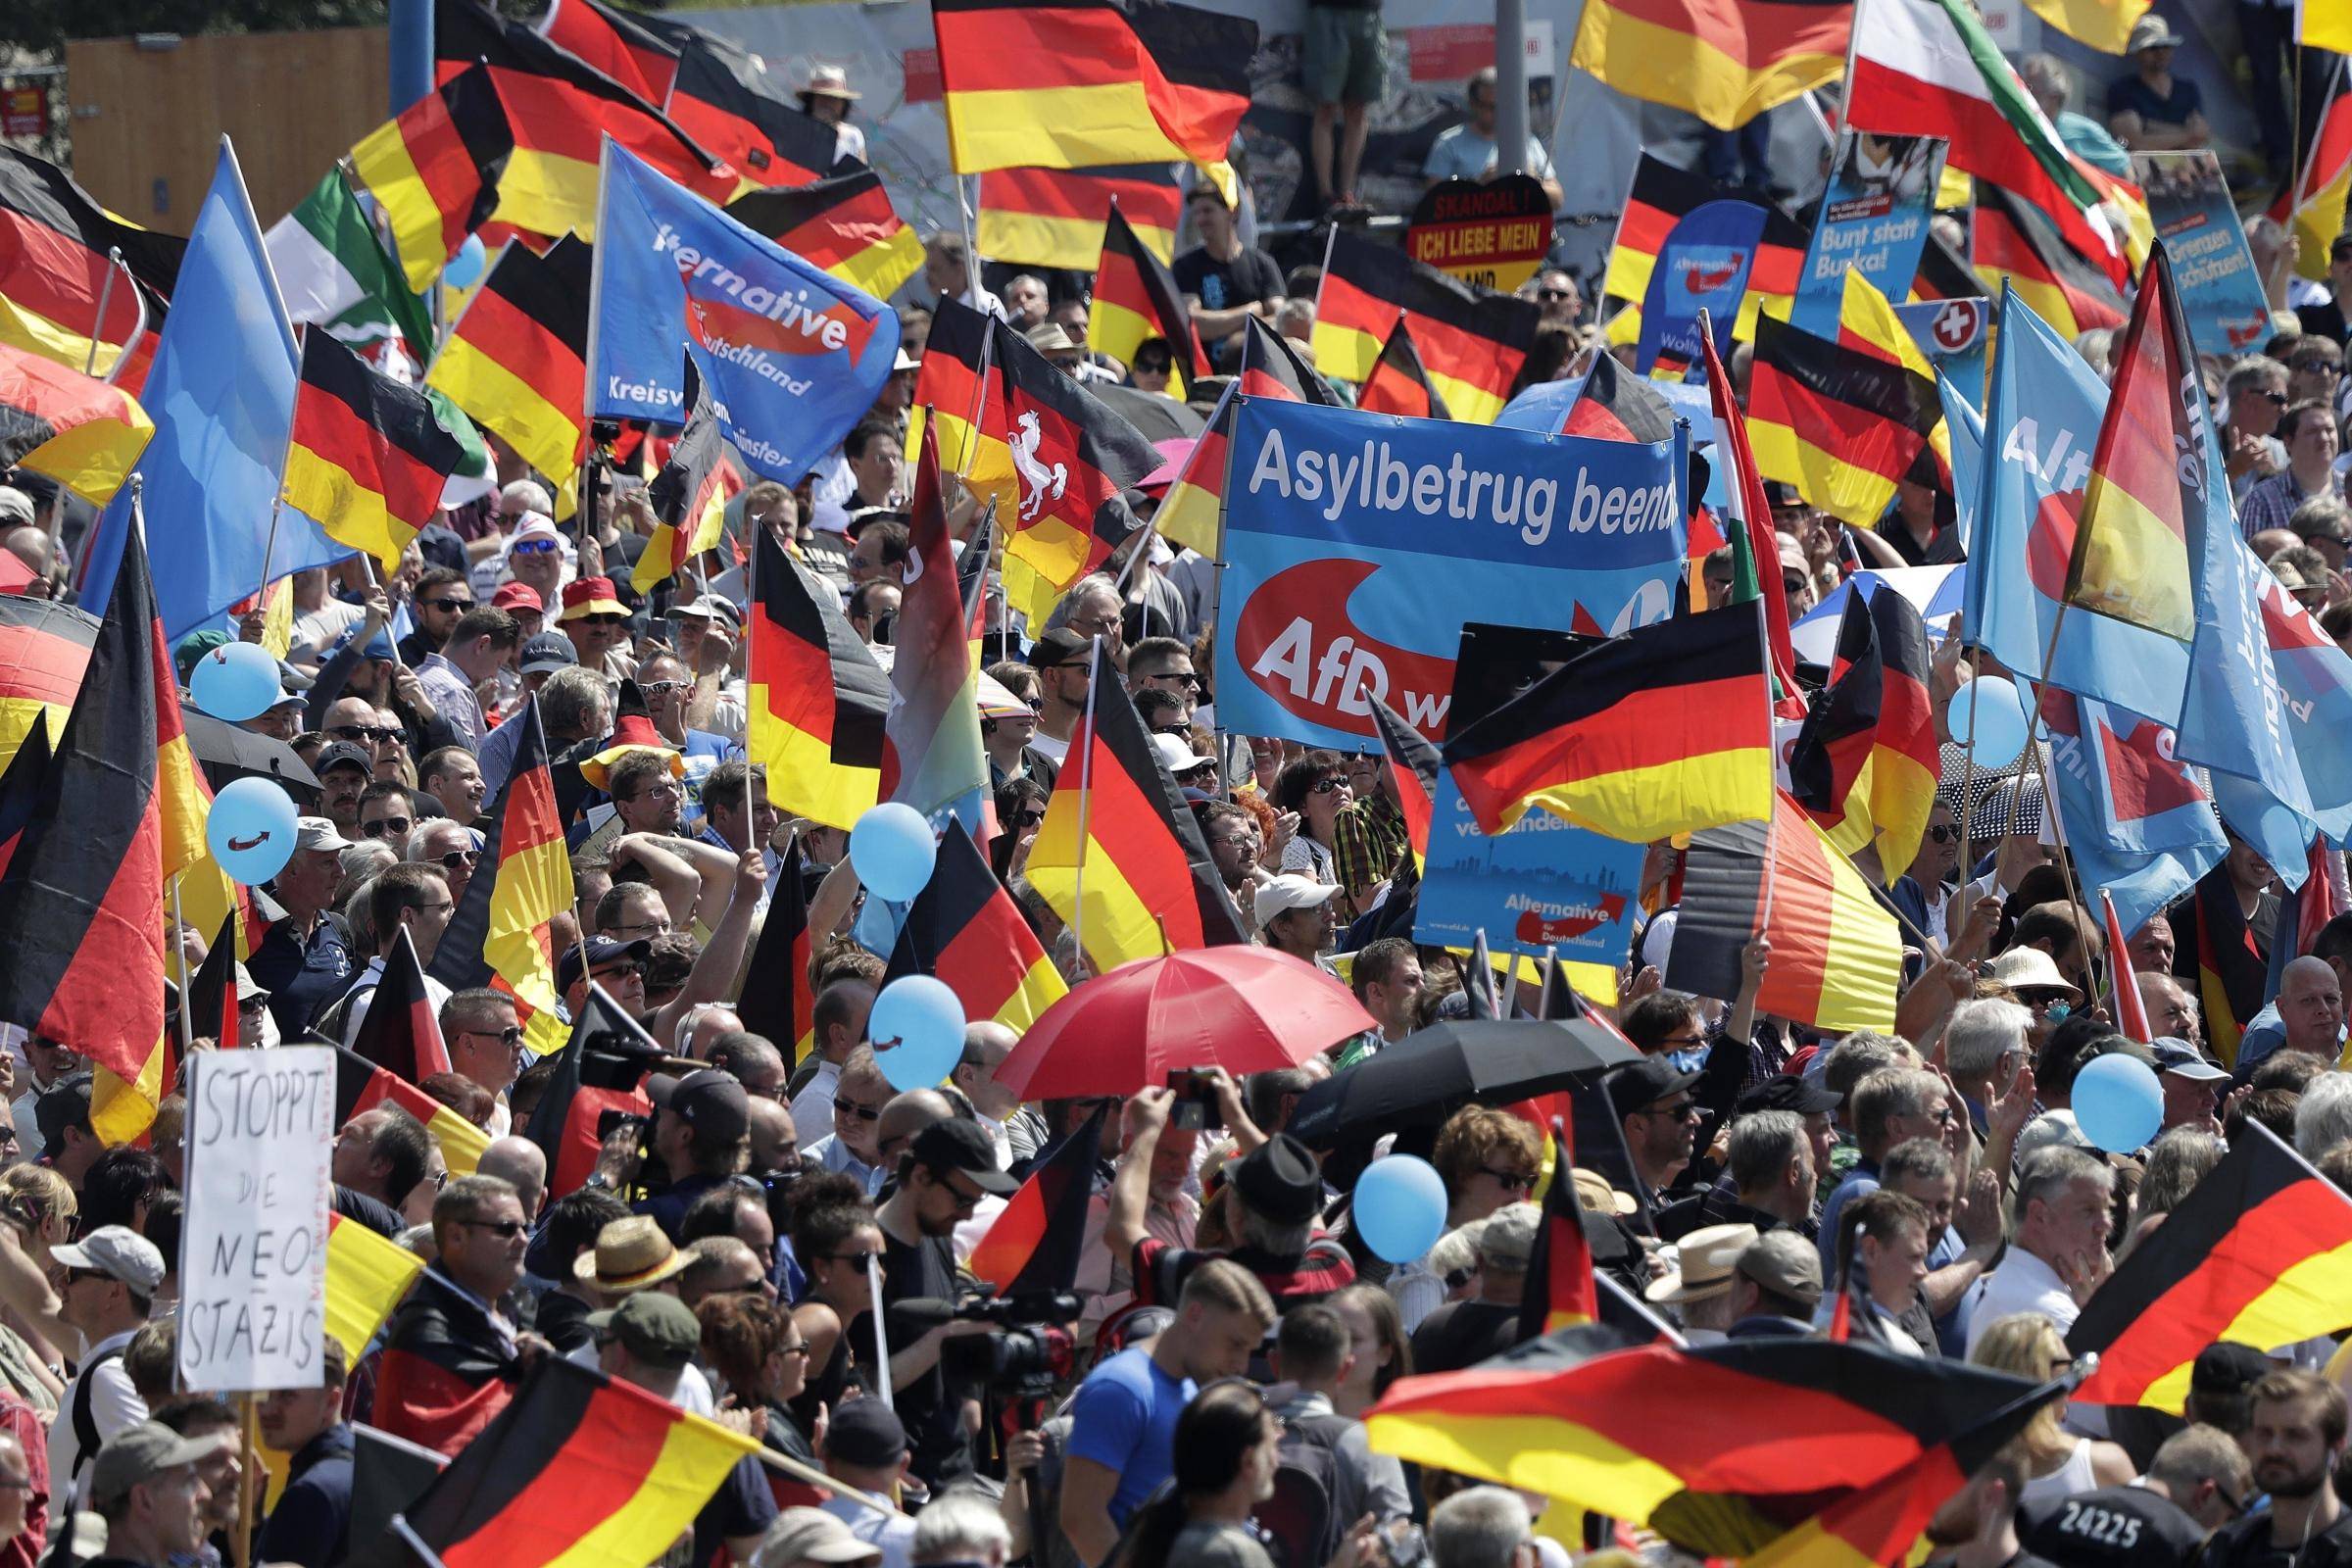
(1123, 1421)
(2152, 110)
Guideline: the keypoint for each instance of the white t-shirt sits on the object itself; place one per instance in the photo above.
(1046, 747)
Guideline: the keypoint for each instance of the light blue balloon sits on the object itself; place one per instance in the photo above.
(1990, 702)
(2118, 1102)
(465, 270)
(918, 1029)
(251, 829)
(892, 848)
(1400, 1208)
(234, 681)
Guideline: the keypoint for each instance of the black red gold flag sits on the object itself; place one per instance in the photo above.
(640, 52)
(1472, 341)
(515, 361)
(845, 224)
(212, 1013)
(1835, 421)
(597, 1073)
(361, 1085)
(688, 494)
(1559, 1291)
(780, 1003)
(1724, 61)
(817, 699)
(726, 102)
(1137, 300)
(1035, 1245)
(1399, 383)
(1866, 760)
(1413, 768)
(2013, 239)
(1054, 216)
(965, 929)
(1615, 406)
(54, 244)
(402, 1030)
(2216, 953)
(72, 427)
(368, 457)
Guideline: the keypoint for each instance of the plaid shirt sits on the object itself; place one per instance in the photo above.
(1366, 839)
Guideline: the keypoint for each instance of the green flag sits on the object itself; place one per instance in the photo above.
(332, 270)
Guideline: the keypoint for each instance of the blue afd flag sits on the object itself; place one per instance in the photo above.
(1703, 265)
(792, 355)
(2131, 810)
(2041, 425)
(2234, 719)
(221, 395)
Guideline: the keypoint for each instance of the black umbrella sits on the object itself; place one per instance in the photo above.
(232, 753)
(1157, 418)
(1427, 1076)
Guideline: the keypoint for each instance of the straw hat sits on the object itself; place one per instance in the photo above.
(630, 1255)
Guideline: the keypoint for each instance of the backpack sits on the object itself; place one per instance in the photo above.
(1300, 1520)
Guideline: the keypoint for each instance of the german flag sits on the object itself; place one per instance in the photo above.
(366, 1275)
(1136, 300)
(367, 459)
(1661, 197)
(1472, 340)
(1054, 216)
(965, 928)
(639, 52)
(515, 361)
(1149, 884)
(54, 243)
(2311, 207)
(1666, 730)
(2215, 953)
(1559, 1292)
(1724, 61)
(1943, 275)
(2130, 558)
(1882, 1523)
(932, 758)
(955, 394)
(1867, 758)
(782, 1004)
(2260, 1252)
(1839, 423)
(1067, 524)
(500, 936)
(1271, 368)
(434, 169)
(1079, 84)
(1033, 1247)
(402, 1030)
(688, 495)
(599, 1069)
(2015, 240)
(725, 101)
(363, 1086)
(212, 1013)
(817, 697)
(20, 782)
(1193, 511)
(1614, 1434)
(72, 427)
(1413, 768)
(1837, 952)
(1399, 383)
(577, 1468)
(1612, 406)
(845, 224)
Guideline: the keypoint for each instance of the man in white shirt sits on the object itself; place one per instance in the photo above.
(837, 1020)
(865, 1447)
(2058, 1250)
(1064, 661)
(111, 1276)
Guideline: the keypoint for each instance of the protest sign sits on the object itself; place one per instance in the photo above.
(793, 355)
(1544, 884)
(1701, 269)
(2221, 292)
(252, 1243)
(1357, 544)
(1494, 235)
(1873, 220)
(1954, 335)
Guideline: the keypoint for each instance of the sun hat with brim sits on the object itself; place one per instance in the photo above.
(629, 1254)
(1703, 1264)
(631, 732)
(2032, 969)
(2152, 31)
(1595, 1193)
(998, 701)
(812, 1534)
(1173, 451)
(828, 82)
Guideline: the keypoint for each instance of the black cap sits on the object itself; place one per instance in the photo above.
(711, 1102)
(342, 753)
(1058, 647)
(1644, 1083)
(865, 1433)
(2226, 1369)
(1786, 1092)
(1279, 1179)
(63, 1103)
(956, 1143)
(601, 951)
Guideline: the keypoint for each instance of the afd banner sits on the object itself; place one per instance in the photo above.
(1359, 545)
(793, 354)
(1543, 884)
(1873, 220)
(1954, 335)
(1703, 265)
(2221, 293)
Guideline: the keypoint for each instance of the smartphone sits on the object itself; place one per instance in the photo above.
(1195, 1109)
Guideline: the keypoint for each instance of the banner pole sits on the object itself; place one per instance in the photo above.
(178, 946)
(106, 290)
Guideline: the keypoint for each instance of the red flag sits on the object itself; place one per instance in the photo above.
(2131, 1014)
(1746, 508)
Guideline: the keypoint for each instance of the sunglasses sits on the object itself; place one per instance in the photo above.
(506, 1230)
(662, 688)
(457, 858)
(363, 733)
(606, 620)
(509, 1036)
(446, 604)
(861, 1112)
(1152, 367)
(1186, 678)
(1326, 786)
(1943, 835)
(1553, 294)
(1793, 584)
(1510, 1181)
(2276, 400)
(384, 826)
(533, 547)
(1029, 820)
(618, 971)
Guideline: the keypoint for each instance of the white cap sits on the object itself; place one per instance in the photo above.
(1282, 894)
(1179, 758)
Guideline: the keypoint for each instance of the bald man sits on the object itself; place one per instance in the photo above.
(2311, 1008)
(986, 1045)
(522, 1162)
(2170, 1009)
(904, 1116)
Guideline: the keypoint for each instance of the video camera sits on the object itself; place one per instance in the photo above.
(1030, 1351)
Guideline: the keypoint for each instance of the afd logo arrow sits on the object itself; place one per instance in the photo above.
(1321, 667)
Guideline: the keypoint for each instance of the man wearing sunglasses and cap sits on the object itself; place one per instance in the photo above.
(1654, 1104)
(701, 1135)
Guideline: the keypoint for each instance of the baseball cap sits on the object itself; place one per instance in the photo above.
(601, 950)
(119, 1253)
(1281, 894)
(1508, 1240)
(1786, 1092)
(866, 1432)
(1792, 557)
(653, 1327)
(342, 753)
(191, 649)
(1279, 1179)
(1058, 647)
(15, 505)
(141, 1453)
(2152, 32)
(2052, 1129)
(546, 653)
(535, 525)
(812, 1534)
(63, 1103)
(702, 607)
(318, 833)
(2226, 1369)
(2175, 1055)
(1784, 1262)
(379, 646)
(1641, 1084)
(517, 596)
(709, 1102)
(959, 1144)
(1180, 758)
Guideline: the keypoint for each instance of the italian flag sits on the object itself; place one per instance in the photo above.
(1927, 67)
(333, 271)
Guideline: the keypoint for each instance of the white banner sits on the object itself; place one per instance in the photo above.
(252, 1245)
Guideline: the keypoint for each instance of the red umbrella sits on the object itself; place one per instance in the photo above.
(1240, 1009)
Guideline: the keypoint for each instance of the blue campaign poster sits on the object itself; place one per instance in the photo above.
(1703, 265)
(1873, 220)
(2221, 293)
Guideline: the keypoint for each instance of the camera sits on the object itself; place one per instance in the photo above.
(1028, 1355)
(1196, 1109)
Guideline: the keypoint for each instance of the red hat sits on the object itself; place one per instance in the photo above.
(591, 595)
(517, 596)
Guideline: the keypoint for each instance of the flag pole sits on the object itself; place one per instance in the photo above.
(873, 1284)
(106, 289)
(1086, 793)
(178, 946)
(2041, 764)
(751, 601)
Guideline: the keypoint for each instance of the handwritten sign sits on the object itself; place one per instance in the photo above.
(252, 1245)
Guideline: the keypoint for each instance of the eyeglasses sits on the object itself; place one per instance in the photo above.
(533, 547)
(446, 604)
(861, 1112)
(1327, 786)
(801, 1349)
(457, 858)
(506, 1230)
(1943, 835)
(1510, 1181)
(664, 789)
(74, 1276)
(385, 825)
(2316, 367)
(1686, 1042)
(1244, 841)
(21, 1484)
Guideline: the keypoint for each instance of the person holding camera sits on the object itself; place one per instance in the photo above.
(945, 1171)
(702, 1137)
(1124, 1422)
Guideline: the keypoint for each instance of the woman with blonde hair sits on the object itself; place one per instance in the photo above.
(37, 1209)
(2058, 1464)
